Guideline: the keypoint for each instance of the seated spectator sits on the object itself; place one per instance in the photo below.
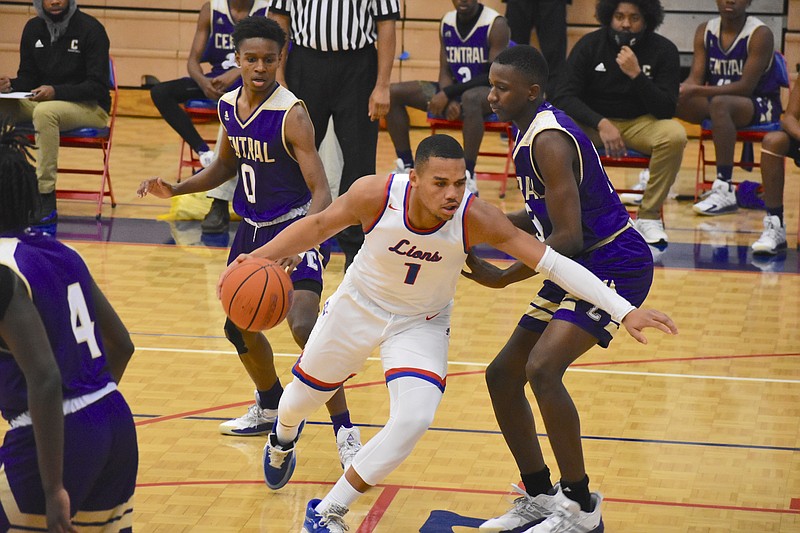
(63, 64)
(212, 44)
(774, 148)
(735, 82)
(471, 36)
(621, 86)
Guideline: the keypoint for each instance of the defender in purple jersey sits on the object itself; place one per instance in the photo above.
(470, 37)
(70, 456)
(735, 81)
(268, 141)
(572, 206)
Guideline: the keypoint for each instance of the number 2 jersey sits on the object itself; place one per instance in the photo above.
(467, 57)
(59, 283)
(602, 214)
(219, 49)
(270, 184)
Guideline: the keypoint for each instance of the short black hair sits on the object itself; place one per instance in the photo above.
(258, 28)
(438, 145)
(528, 60)
(652, 12)
(19, 189)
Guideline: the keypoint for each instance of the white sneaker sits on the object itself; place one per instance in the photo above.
(720, 200)
(568, 517)
(348, 441)
(629, 198)
(206, 158)
(472, 183)
(652, 230)
(772, 239)
(255, 421)
(528, 510)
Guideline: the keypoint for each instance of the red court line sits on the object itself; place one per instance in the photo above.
(191, 413)
(684, 359)
(379, 508)
(475, 372)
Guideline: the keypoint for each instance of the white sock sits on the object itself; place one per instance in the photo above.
(342, 494)
(286, 435)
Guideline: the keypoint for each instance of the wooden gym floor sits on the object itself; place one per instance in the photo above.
(694, 433)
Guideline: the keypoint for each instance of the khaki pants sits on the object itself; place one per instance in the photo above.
(664, 141)
(50, 118)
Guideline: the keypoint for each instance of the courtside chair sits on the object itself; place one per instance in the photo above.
(98, 139)
(201, 111)
(747, 136)
(493, 124)
(632, 159)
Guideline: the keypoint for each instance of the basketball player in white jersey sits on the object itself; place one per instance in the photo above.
(398, 295)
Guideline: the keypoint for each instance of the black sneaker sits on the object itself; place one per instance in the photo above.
(47, 213)
(217, 219)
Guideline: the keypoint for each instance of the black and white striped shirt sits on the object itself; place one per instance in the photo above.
(335, 25)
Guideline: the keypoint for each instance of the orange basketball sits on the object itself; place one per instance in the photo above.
(257, 294)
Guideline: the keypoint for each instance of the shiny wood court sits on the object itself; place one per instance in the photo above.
(694, 433)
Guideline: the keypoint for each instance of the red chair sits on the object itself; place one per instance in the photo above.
(96, 138)
(634, 159)
(748, 136)
(491, 123)
(201, 111)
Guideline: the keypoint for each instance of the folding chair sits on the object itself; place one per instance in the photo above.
(96, 138)
(633, 159)
(201, 111)
(493, 124)
(748, 136)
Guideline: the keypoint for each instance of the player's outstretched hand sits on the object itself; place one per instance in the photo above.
(156, 187)
(239, 259)
(638, 319)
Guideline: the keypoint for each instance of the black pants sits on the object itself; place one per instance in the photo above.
(338, 85)
(549, 17)
(167, 96)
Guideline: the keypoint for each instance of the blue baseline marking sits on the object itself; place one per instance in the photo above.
(544, 435)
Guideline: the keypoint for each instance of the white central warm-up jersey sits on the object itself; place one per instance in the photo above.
(404, 270)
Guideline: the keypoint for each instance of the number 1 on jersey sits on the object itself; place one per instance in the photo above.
(413, 272)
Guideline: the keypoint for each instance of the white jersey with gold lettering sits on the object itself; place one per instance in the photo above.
(408, 271)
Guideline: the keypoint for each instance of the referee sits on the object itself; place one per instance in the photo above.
(335, 68)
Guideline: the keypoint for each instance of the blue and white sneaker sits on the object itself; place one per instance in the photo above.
(568, 517)
(720, 200)
(279, 460)
(331, 521)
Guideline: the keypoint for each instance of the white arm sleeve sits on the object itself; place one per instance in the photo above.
(577, 280)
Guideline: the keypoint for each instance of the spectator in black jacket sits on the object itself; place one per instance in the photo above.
(64, 67)
(621, 86)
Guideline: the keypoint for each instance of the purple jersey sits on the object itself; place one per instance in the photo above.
(219, 49)
(61, 287)
(726, 66)
(271, 184)
(602, 213)
(467, 56)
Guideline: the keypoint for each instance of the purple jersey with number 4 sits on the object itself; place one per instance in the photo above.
(61, 288)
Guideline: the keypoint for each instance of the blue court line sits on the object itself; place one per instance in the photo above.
(188, 233)
(544, 435)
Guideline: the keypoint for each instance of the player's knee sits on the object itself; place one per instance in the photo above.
(158, 93)
(676, 136)
(44, 112)
(776, 142)
(235, 337)
(543, 375)
(496, 374)
(411, 424)
(301, 330)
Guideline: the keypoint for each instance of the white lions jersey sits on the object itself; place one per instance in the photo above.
(408, 271)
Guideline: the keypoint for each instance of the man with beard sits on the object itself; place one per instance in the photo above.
(64, 66)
